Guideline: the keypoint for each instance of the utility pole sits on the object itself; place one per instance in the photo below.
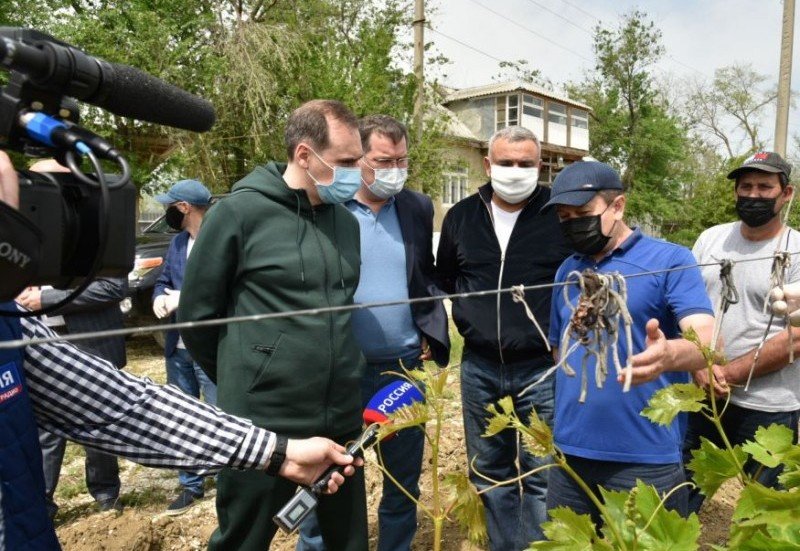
(784, 78)
(419, 62)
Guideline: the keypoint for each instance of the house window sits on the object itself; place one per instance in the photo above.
(532, 106)
(507, 111)
(580, 118)
(455, 186)
(557, 113)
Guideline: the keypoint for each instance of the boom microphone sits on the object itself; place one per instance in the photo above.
(120, 89)
(387, 400)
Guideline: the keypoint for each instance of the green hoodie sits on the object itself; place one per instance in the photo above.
(265, 249)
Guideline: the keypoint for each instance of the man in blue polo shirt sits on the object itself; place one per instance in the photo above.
(605, 439)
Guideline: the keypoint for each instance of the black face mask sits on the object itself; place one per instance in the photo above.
(174, 218)
(755, 211)
(585, 234)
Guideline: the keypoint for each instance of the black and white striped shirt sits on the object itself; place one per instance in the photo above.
(87, 400)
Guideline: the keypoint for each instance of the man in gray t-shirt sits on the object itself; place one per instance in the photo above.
(773, 396)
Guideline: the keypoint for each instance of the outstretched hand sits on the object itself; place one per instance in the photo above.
(307, 459)
(654, 359)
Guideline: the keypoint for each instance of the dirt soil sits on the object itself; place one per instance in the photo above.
(142, 526)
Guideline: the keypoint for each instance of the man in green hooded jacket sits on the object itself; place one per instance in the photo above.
(280, 242)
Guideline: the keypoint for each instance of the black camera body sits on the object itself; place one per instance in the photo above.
(66, 211)
(73, 227)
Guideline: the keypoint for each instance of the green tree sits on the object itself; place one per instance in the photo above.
(632, 127)
(255, 60)
(729, 110)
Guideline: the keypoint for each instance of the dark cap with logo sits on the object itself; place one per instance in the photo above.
(578, 183)
(765, 161)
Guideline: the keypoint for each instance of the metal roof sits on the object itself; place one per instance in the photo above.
(510, 86)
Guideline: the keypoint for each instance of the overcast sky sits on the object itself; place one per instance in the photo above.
(555, 36)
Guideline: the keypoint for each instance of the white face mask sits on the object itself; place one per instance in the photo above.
(514, 184)
(388, 182)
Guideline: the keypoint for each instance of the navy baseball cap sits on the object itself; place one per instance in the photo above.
(580, 181)
(765, 161)
(190, 191)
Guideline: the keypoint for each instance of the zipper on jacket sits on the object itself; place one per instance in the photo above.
(499, 280)
(500, 286)
(330, 320)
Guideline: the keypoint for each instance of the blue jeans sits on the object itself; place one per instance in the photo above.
(402, 457)
(102, 470)
(740, 424)
(562, 491)
(186, 374)
(514, 513)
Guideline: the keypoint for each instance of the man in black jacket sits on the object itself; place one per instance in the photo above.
(491, 240)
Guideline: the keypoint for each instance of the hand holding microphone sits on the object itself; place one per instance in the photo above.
(387, 400)
(306, 460)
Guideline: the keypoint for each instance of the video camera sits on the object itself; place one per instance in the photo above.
(73, 226)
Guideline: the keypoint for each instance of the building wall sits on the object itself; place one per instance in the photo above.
(579, 138)
(552, 124)
(477, 114)
(461, 156)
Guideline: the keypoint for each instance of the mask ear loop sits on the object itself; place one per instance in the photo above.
(333, 170)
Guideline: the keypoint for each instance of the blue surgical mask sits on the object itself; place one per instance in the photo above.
(388, 182)
(343, 187)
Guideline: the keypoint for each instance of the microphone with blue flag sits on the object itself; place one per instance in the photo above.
(386, 401)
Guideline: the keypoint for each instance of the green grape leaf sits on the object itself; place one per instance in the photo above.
(711, 356)
(569, 531)
(418, 375)
(438, 379)
(412, 415)
(537, 437)
(776, 510)
(620, 506)
(771, 445)
(644, 524)
(659, 529)
(502, 416)
(712, 466)
(757, 539)
(468, 509)
(506, 404)
(790, 478)
(668, 402)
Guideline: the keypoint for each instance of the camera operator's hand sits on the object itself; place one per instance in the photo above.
(31, 298)
(307, 459)
(9, 183)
